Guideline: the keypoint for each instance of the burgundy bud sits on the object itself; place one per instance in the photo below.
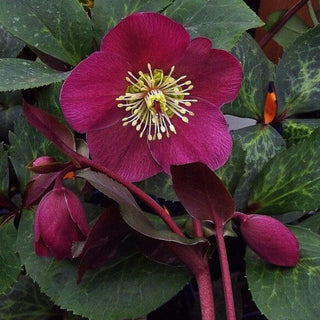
(45, 164)
(60, 221)
(270, 239)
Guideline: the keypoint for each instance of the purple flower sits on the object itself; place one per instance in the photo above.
(269, 238)
(60, 221)
(151, 98)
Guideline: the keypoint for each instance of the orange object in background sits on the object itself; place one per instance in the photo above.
(70, 175)
(270, 107)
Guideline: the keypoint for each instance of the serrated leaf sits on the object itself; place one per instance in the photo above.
(295, 130)
(4, 172)
(10, 265)
(123, 289)
(159, 185)
(297, 80)
(291, 180)
(294, 28)
(106, 14)
(61, 29)
(260, 143)
(215, 19)
(9, 45)
(288, 293)
(257, 73)
(17, 74)
(26, 144)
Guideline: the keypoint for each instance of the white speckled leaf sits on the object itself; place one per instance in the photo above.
(298, 75)
(61, 29)
(19, 74)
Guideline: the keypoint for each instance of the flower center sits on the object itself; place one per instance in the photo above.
(153, 99)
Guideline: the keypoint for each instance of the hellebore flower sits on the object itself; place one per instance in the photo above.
(269, 238)
(151, 98)
(60, 221)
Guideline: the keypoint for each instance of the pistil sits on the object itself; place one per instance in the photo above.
(153, 99)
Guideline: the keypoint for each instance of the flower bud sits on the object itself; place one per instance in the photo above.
(270, 239)
(60, 221)
(45, 164)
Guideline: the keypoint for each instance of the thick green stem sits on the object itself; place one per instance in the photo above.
(226, 277)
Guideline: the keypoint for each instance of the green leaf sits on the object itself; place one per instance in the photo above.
(260, 144)
(257, 73)
(10, 265)
(4, 172)
(61, 29)
(9, 45)
(294, 28)
(159, 185)
(295, 130)
(297, 80)
(19, 74)
(288, 293)
(48, 99)
(10, 110)
(24, 301)
(223, 21)
(26, 144)
(232, 171)
(106, 14)
(312, 223)
(291, 180)
(127, 288)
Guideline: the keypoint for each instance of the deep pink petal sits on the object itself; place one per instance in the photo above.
(143, 38)
(120, 149)
(204, 139)
(55, 226)
(76, 212)
(88, 94)
(215, 74)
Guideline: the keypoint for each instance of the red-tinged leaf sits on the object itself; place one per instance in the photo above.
(103, 240)
(37, 187)
(202, 193)
(51, 128)
(129, 209)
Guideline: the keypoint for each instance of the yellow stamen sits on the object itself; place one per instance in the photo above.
(153, 99)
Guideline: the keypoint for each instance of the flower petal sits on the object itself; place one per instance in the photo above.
(206, 67)
(120, 149)
(147, 37)
(88, 94)
(204, 139)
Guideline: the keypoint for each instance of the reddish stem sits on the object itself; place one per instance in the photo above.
(204, 283)
(226, 278)
(286, 17)
(197, 228)
(135, 190)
